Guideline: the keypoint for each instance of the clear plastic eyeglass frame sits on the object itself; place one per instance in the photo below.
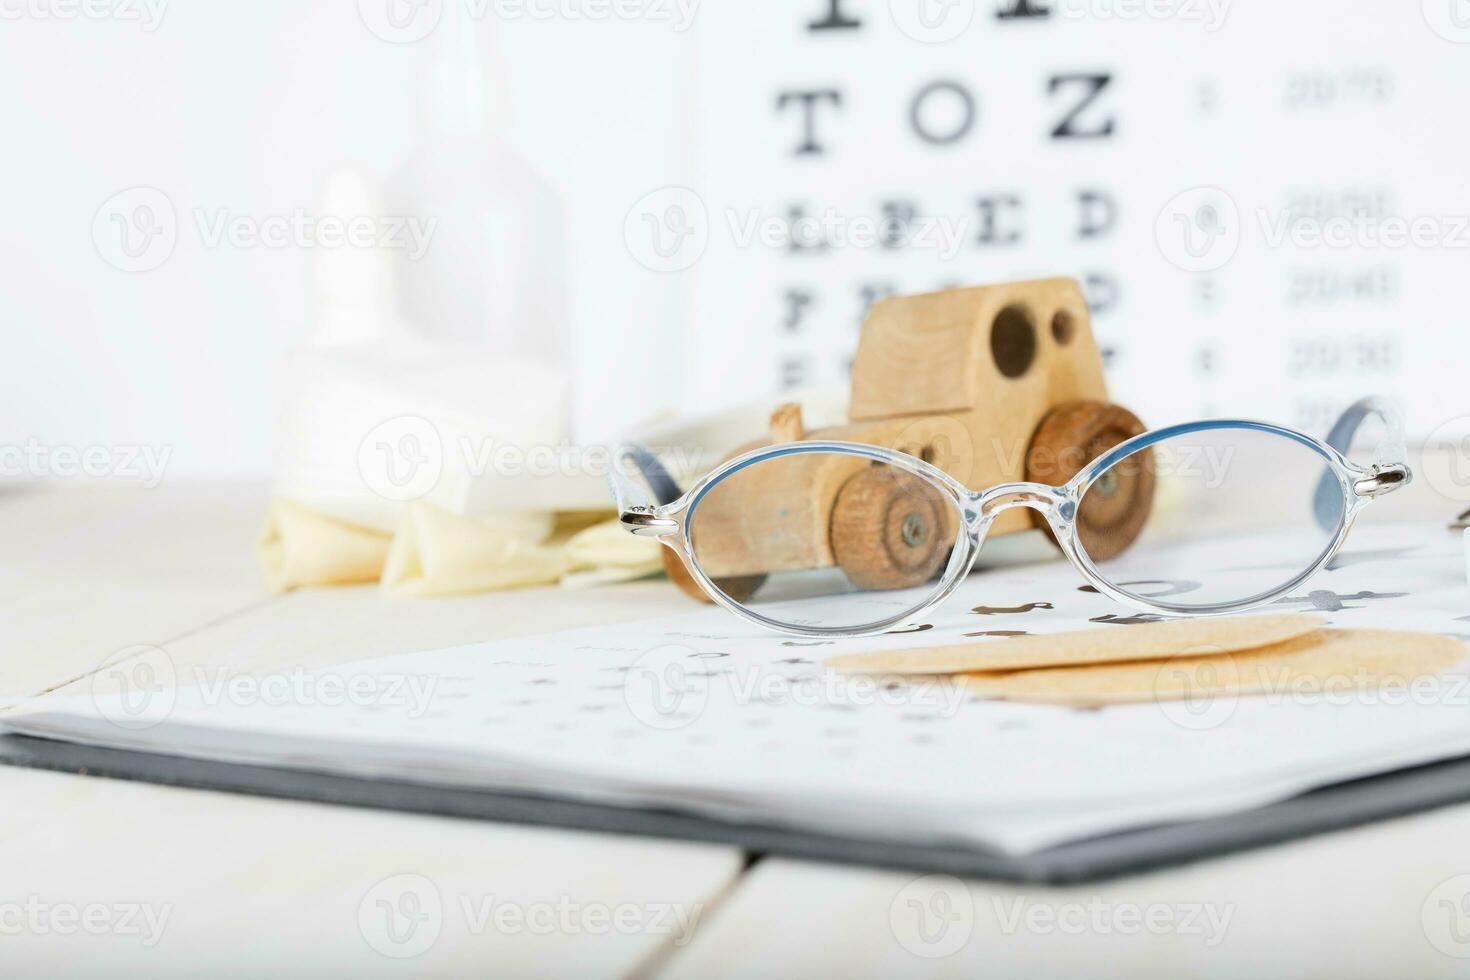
(660, 511)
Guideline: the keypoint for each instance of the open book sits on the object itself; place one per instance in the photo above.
(698, 714)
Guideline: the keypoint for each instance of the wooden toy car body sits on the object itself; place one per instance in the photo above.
(994, 384)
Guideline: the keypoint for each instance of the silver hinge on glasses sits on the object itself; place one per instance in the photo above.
(642, 522)
(1381, 479)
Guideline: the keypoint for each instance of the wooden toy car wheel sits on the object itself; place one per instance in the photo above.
(890, 530)
(737, 587)
(1114, 510)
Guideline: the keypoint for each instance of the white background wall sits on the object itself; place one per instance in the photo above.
(249, 107)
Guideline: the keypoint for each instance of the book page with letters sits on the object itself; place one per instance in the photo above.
(701, 713)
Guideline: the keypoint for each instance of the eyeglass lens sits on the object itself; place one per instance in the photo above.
(825, 540)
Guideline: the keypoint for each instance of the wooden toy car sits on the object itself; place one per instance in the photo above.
(995, 384)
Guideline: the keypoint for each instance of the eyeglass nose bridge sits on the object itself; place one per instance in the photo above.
(1053, 502)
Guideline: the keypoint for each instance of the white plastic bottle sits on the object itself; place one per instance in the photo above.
(495, 270)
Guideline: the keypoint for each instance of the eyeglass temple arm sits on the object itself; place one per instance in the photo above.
(636, 499)
(1390, 461)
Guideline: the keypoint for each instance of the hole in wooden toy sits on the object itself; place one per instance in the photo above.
(1063, 327)
(1013, 341)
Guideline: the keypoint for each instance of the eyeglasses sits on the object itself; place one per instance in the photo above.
(846, 539)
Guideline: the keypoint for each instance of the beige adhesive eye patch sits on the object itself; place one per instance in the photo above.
(1324, 663)
(1109, 644)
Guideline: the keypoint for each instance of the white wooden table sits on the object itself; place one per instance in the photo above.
(119, 879)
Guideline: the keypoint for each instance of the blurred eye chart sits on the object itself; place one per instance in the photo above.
(1264, 202)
